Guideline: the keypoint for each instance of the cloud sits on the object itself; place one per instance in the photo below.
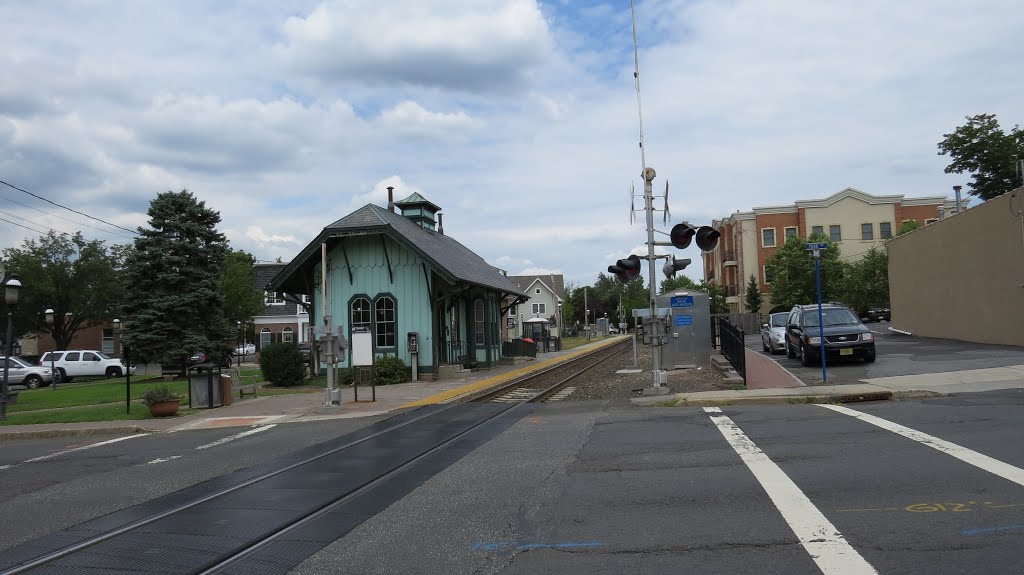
(486, 45)
(410, 118)
(258, 235)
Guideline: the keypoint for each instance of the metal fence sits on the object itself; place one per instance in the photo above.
(748, 322)
(729, 339)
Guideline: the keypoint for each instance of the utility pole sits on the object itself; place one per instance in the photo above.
(649, 175)
(586, 314)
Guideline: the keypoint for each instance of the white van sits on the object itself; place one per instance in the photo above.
(83, 363)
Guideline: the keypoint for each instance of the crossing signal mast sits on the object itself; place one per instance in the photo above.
(655, 328)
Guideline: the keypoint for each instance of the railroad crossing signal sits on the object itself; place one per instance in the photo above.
(673, 265)
(627, 269)
(682, 234)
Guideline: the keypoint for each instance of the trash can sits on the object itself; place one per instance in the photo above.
(204, 387)
(225, 389)
(555, 343)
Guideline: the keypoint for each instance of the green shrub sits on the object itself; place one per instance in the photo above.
(390, 369)
(282, 364)
(159, 394)
(346, 375)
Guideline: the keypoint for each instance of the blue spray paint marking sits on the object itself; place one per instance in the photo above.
(517, 546)
(987, 530)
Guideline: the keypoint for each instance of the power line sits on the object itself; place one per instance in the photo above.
(76, 222)
(22, 226)
(67, 208)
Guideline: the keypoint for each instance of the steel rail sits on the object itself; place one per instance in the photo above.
(77, 547)
(369, 485)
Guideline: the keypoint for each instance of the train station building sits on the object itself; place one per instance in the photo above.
(394, 272)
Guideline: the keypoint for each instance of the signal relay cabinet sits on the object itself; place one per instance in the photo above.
(689, 329)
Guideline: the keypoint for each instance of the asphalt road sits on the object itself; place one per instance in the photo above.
(605, 487)
(901, 355)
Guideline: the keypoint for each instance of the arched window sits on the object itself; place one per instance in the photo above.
(478, 322)
(264, 337)
(385, 320)
(360, 313)
(286, 335)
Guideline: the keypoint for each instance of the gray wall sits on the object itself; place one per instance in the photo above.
(960, 278)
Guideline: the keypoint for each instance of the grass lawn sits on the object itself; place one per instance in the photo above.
(103, 400)
(86, 413)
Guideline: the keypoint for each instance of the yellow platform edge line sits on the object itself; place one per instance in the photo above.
(498, 379)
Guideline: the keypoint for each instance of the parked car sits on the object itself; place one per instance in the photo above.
(82, 363)
(201, 357)
(21, 372)
(845, 335)
(613, 330)
(773, 333)
(876, 314)
(247, 349)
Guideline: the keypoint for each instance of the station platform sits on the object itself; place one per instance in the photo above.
(302, 407)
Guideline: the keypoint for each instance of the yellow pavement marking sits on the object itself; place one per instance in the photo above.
(492, 381)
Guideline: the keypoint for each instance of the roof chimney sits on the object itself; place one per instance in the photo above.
(440, 223)
(957, 190)
(391, 198)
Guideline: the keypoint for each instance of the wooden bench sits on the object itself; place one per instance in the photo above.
(242, 383)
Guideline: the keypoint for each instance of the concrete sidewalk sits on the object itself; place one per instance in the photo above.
(300, 407)
(899, 387)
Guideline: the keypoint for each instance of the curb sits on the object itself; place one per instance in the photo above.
(49, 433)
(787, 399)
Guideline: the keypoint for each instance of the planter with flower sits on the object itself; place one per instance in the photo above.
(162, 401)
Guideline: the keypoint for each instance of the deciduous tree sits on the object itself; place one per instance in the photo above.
(982, 149)
(791, 272)
(70, 275)
(866, 281)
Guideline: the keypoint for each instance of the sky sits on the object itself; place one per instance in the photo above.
(519, 118)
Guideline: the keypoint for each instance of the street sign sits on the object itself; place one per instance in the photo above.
(682, 301)
(817, 246)
(682, 320)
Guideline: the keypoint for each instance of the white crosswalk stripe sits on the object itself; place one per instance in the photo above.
(979, 460)
(822, 541)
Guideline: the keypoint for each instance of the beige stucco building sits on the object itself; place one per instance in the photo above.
(963, 277)
(857, 221)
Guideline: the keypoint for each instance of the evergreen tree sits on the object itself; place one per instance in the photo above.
(175, 305)
(753, 297)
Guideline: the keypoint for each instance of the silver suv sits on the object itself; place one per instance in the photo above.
(83, 363)
(21, 372)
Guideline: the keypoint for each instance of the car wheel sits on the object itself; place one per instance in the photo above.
(805, 358)
(33, 381)
(765, 346)
(60, 375)
(113, 372)
(789, 351)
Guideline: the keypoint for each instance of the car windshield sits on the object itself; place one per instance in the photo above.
(778, 320)
(17, 362)
(831, 316)
(102, 355)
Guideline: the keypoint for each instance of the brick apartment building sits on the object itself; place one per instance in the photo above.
(857, 221)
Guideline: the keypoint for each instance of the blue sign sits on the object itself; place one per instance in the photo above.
(683, 320)
(682, 301)
(817, 246)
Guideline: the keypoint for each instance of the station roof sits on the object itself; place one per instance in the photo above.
(452, 260)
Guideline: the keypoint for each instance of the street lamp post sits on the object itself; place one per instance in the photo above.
(12, 289)
(126, 360)
(241, 346)
(49, 313)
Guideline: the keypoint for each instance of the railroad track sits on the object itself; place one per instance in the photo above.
(552, 384)
(269, 518)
